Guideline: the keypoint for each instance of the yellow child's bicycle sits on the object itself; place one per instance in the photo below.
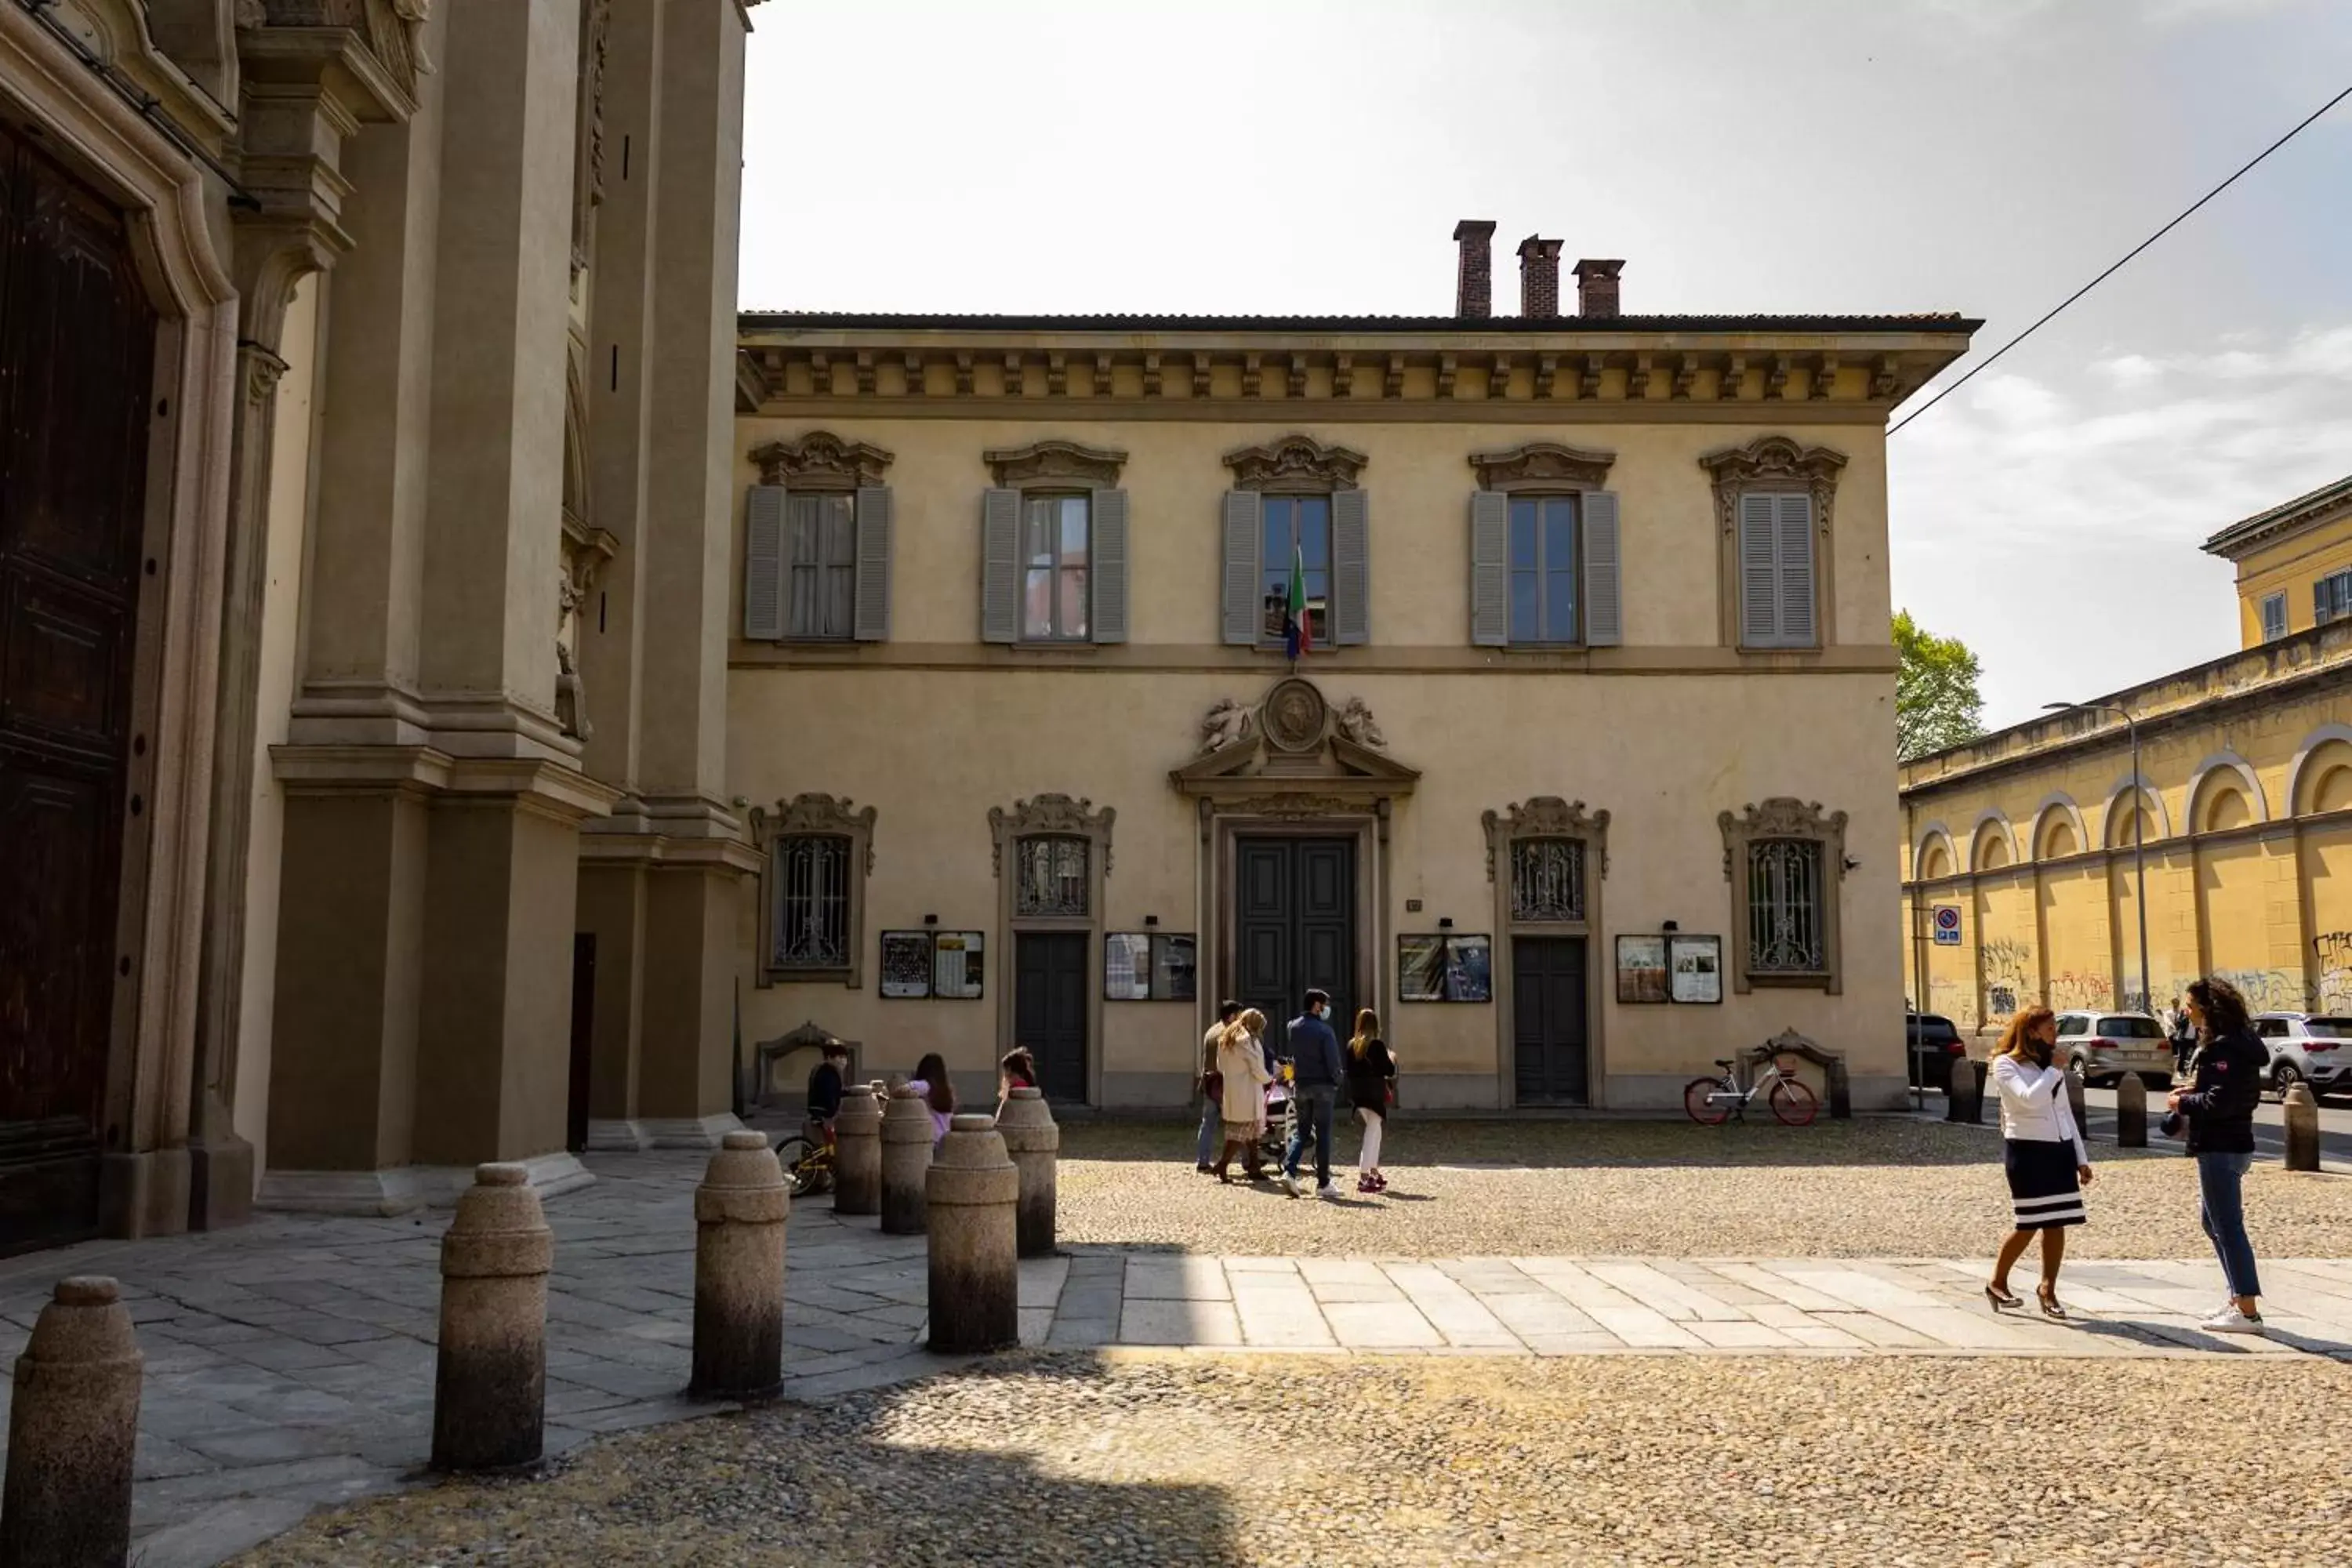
(807, 1161)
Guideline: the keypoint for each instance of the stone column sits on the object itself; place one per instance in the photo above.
(2131, 1113)
(73, 1428)
(857, 1153)
(972, 1191)
(1035, 1142)
(490, 1383)
(740, 1212)
(906, 1156)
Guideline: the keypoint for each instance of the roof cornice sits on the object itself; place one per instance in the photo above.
(2322, 505)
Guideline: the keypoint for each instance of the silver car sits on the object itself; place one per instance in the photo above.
(2311, 1048)
(2101, 1047)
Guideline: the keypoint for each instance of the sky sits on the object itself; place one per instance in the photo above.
(1987, 156)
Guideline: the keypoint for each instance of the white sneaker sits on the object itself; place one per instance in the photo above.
(1290, 1185)
(2229, 1321)
(1328, 1191)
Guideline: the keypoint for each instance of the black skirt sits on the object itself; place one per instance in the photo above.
(2044, 1190)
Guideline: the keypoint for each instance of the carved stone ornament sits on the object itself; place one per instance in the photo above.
(1292, 806)
(815, 814)
(588, 154)
(1356, 723)
(1047, 814)
(1294, 715)
(1295, 462)
(1547, 816)
(820, 460)
(1783, 816)
(1541, 463)
(391, 30)
(1045, 461)
(1226, 724)
(1773, 462)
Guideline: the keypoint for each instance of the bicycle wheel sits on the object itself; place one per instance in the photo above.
(1793, 1102)
(798, 1157)
(1704, 1098)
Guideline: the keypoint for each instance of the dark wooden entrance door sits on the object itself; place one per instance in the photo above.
(1547, 1022)
(1295, 928)
(1049, 1008)
(76, 359)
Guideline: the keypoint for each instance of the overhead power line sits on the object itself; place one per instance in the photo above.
(2135, 250)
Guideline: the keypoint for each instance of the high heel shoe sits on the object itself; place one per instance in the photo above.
(2048, 1296)
(2000, 1299)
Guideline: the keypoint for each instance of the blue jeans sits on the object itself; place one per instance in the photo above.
(2221, 1209)
(1314, 1107)
(1212, 1135)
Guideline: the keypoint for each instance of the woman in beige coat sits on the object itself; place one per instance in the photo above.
(1240, 1102)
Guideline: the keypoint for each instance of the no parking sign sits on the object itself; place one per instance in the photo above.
(1947, 925)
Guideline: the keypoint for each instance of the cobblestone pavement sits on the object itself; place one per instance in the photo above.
(1177, 1459)
(289, 1362)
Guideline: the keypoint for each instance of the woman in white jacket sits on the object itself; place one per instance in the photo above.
(1241, 1067)
(2042, 1151)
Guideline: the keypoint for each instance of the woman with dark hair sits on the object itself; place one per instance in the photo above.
(2042, 1152)
(2218, 1104)
(930, 1086)
(1372, 1075)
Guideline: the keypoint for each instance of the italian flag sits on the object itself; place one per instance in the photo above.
(1293, 622)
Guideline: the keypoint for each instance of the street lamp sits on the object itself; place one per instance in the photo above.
(2139, 833)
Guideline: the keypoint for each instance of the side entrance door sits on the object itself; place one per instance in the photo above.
(77, 357)
(1295, 928)
(1549, 1020)
(1049, 1008)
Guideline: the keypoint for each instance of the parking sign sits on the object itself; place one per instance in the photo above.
(1947, 925)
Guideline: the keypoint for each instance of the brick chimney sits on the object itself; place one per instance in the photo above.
(1539, 278)
(1474, 293)
(1596, 287)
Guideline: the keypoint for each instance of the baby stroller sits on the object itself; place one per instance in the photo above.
(1281, 1119)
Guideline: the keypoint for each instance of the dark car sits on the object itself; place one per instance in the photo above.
(1936, 1044)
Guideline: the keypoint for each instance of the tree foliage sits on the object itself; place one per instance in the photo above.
(1936, 700)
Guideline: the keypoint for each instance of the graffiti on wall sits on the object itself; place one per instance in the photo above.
(2008, 975)
(2333, 992)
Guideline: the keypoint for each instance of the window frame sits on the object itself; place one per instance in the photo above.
(2272, 601)
(1543, 570)
(2331, 598)
(1274, 638)
(819, 496)
(1057, 636)
(1785, 819)
(810, 815)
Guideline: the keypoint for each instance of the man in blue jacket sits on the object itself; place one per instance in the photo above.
(1315, 1073)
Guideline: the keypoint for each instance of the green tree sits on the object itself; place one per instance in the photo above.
(1936, 700)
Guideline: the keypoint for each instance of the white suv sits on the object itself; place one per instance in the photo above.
(2308, 1049)
(2101, 1047)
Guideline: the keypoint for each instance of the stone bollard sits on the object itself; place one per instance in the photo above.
(1958, 1081)
(2300, 1108)
(739, 1270)
(2131, 1113)
(1977, 1070)
(2074, 1101)
(1035, 1142)
(975, 1289)
(490, 1386)
(857, 1151)
(72, 1429)
(905, 1155)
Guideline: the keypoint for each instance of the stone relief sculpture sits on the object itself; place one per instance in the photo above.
(571, 697)
(1226, 724)
(1356, 723)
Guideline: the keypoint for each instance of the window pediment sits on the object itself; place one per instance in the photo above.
(815, 814)
(1547, 816)
(1049, 816)
(1538, 465)
(820, 460)
(1295, 463)
(1773, 462)
(1783, 816)
(1051, 462)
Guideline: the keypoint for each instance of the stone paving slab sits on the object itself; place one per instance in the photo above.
(289, 1362)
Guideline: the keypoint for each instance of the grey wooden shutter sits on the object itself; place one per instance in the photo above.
(1107, 569)
(766, 563)
(1759, 585)
(1604, 610)
(1244, 596)
(1351, 567)
(1795, 541)
(871, 618)
(999, 566)
(1490, 569)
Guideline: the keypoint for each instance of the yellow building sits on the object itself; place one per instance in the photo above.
(2244, 804)
(1598, 707)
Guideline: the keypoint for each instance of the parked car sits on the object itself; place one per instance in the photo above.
(2316, 1051)
(1936, 1044)
(2101, 1047)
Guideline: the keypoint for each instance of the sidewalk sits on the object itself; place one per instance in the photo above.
(290, 1363)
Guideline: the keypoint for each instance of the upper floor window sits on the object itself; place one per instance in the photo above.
(1774, 503)
(2331, 598)
(823, 531)
(1545, 564)
(1297, 511)
(2273, 616)
(817, 542)
(1057, 557)
(1544, 569)
(1295, 532)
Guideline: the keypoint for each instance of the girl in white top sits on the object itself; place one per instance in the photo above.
(2042, 1153)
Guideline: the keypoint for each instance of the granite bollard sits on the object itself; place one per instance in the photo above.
(973, 1189)
(905, 1155)
(2074, 1101)
(73, 1426)
(2300, 1110)
(857, 1151)
(2131, 1113)
(490, 1381)
(1977, 1070)
(1958, 1081)
(1035, 1142)
(739, 1270)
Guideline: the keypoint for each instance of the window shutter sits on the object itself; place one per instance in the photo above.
(1244, 599)
(1760, 599)
(872, 614)
(766, 563)
(1351, 567)
(999, 566)
(1490, 569)
(1107, 569)
(1604, 612)
(1797, 593)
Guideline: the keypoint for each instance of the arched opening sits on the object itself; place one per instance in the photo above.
(2058, 839)
(2119, 822)
(2224, 807)
(2322, 779)
(2332, 790)
(1937, 864)
(1993, 847)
